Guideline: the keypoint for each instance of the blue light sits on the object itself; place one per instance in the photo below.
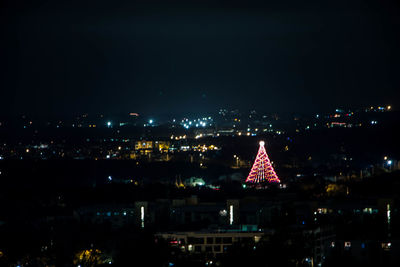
(150, 121)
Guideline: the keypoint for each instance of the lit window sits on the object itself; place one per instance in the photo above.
(386, 245)
(347, 244)
(223, 212)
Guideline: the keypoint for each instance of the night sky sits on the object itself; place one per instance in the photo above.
(166, 57)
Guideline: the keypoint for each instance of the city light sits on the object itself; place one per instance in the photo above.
(142, 216)
(85, 180)
(230, 214)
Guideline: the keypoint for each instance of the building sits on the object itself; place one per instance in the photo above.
(213, 242)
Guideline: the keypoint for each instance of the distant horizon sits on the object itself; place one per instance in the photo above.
(190, 114)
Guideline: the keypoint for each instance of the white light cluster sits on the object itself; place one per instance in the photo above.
(199, 122)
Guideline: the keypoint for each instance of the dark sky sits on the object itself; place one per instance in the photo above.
(164, 57)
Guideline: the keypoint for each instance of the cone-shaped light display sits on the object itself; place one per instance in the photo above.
(262, 170)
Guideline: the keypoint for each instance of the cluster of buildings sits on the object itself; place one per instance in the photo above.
(119, 137)
(214, 226)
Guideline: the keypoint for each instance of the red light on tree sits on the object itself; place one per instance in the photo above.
(262, 170)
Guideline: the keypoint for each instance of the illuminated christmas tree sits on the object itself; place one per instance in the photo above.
(262, 170)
